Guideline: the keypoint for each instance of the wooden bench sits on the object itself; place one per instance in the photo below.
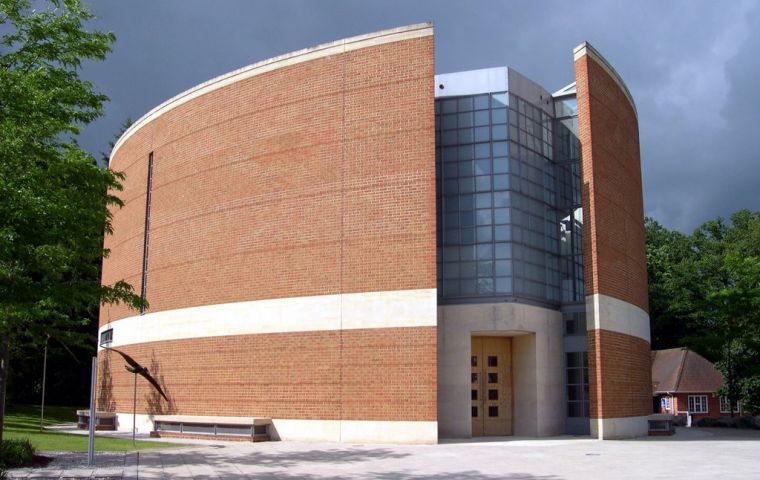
(103, 420)
(245, 429)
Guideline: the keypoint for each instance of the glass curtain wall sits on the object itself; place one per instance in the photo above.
(497, 228)
(510, 218)
(570, 214)
(569, 206)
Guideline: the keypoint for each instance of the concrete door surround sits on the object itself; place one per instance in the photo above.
(537, 366)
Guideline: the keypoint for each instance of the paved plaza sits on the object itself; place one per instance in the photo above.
(695, 454)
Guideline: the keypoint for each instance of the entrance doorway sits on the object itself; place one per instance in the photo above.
(491, 386)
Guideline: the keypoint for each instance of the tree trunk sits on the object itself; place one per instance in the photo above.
(4, 357)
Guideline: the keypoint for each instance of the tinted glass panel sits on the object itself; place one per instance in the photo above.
(510, 182)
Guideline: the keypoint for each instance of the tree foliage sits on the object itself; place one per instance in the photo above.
(704, 292)
(55, 202)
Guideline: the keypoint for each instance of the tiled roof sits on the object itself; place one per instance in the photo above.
(679, 370)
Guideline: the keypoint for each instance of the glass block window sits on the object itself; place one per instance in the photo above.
(577, 384)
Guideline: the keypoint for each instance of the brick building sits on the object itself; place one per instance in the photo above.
(344, 242)
(686, 383)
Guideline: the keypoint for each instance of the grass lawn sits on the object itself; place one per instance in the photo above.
(23, 421)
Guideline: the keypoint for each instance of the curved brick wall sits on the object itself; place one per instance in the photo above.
(620, 372)
(304, 180)
(613, 243)
(312, 176)
(613, 210)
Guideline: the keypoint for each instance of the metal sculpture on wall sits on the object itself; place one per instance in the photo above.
(137, 369)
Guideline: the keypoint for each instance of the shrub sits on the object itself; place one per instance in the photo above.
(14, 453)
(704, 422)
(752, 422)
(730, 422)
(679, 420)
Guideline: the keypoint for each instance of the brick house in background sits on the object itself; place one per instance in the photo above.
(685, 382)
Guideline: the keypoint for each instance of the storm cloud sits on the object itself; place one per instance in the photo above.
(692, 67)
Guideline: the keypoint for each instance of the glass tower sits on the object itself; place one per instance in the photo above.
(510, 219)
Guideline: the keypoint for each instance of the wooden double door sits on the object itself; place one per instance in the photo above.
(491, 386)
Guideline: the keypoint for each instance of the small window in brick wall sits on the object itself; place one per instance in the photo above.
(106, 337)
(725, 406)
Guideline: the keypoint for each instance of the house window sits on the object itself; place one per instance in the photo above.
(725, 406)
(665, 403)
(697, 403)
(106, 337)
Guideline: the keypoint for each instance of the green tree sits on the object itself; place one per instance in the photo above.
(733, 309)
(672, 292)
(704, 292)
(68, 368)
(54, 200)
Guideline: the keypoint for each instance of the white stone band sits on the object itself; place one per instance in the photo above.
(300, 56)
(609, 313)
(346, 431)
(390, 309)
(618, 428)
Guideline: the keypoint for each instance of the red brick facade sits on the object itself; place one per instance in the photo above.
(372, 374)
(619, 375)
(613, 240)
(613, 206)
(311, 179)
(305, 180)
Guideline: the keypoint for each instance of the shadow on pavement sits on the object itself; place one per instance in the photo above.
(278, 465)
(404, 475)
(286, 459)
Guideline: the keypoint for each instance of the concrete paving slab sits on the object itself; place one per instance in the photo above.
(691, 453)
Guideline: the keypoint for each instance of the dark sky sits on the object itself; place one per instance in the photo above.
(692, 67)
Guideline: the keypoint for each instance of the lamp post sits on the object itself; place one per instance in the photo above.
(44, 381)
(134, 406)
(93, 412)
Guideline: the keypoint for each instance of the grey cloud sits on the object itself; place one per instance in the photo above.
(690, 65)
